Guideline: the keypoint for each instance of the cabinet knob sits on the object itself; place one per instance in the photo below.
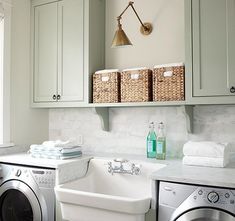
(58, 97)
(232, 90)
(54, 97)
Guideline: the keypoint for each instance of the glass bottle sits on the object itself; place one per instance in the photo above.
(161, 143)
(151, 142)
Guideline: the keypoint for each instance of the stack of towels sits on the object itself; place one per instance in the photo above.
(58, 149)
(206, 153)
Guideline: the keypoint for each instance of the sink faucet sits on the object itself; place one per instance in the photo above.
(134, 169)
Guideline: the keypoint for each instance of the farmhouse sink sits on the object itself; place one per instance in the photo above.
(102, 196)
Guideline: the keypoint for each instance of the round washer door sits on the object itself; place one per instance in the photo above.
(206, 214)
(18, 202)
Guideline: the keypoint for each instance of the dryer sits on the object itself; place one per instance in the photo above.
(184, 202)
(27, 193)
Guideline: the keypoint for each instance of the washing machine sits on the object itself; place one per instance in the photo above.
(26, 193)
(184, 202)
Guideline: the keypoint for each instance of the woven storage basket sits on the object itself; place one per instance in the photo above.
(168, 82)
(136, 85)
(106, 86)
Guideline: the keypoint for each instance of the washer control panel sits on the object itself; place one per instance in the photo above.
(215, 197)
(44, 177)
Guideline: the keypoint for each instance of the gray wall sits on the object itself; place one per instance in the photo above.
(27, 125)
(129, 126)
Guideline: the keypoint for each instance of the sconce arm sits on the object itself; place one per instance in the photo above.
(130, 4)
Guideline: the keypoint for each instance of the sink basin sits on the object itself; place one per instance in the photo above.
(102, 196)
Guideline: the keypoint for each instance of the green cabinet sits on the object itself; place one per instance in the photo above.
(210, 51)
(62, 57)
(45, 52)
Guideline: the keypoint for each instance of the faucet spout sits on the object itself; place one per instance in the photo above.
(134, 169)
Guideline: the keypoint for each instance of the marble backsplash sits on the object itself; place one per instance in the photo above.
(129, 127)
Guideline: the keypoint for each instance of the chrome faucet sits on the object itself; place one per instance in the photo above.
(134, 168)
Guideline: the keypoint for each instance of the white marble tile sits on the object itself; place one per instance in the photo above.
(129, 127)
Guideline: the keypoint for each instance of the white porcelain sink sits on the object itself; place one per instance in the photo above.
(100, 196)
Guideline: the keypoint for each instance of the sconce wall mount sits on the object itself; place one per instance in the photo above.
(120, 37)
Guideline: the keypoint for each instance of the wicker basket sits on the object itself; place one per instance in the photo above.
(106, 86)
(136, 85)
(168, 82)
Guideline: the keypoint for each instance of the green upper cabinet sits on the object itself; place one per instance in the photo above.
(210, 50)
(45, 52)
(70, 50)
(63, 60)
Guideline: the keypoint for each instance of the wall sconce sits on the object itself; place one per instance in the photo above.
(120, 37)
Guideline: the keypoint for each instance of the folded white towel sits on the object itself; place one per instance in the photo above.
(55, 152)
(47, 155)
(58, 143)
(206, 149)
(206, 161)
(42, 148)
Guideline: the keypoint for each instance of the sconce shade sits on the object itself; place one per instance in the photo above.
(120, 38)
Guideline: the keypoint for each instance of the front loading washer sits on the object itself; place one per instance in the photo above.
(185, 202)
(26, 193)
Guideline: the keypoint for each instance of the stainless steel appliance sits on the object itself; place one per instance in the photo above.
(182, 202)
(27, 193)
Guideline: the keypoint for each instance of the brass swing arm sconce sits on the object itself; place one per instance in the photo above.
(120, 37)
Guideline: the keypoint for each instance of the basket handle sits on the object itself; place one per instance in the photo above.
(168, 74)
(105, 78)
(135, 76)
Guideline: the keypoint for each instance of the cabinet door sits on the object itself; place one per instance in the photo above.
(71, 50)
(45, 52)
(213, 25)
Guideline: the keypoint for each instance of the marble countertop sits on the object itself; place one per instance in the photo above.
(175, 171)
(26, 159)
(66, 170)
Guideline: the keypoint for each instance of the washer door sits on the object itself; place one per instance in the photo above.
(206, 214)
(18, 202)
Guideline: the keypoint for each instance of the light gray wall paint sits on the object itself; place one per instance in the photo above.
(129, 127)
(27, 125)
(164, 45)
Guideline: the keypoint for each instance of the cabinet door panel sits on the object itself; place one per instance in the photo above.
(231, 41)
(45, 52)
(71, 70)
(213, 50)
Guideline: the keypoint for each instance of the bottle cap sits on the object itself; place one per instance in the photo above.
(151, 124)
(161, 125)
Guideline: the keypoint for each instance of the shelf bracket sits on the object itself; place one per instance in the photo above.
(103, 113)
(188, 112)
